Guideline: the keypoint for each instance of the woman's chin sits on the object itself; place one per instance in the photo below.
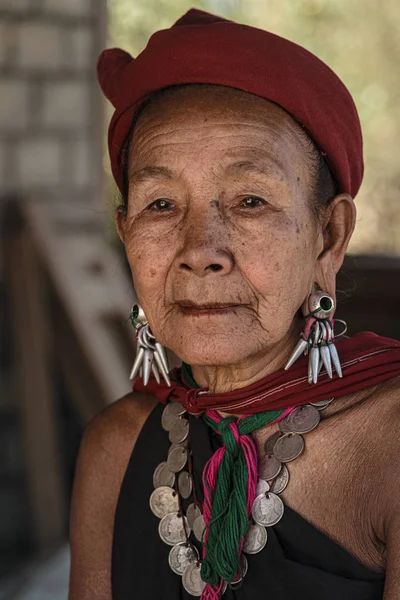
(213, 350)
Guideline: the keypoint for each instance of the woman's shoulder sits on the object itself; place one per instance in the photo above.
(108, 441)
(385, 420)
(377, 403)
(373, 418)
(384, 403)
(104, 453)
(121, 421)
(110, 436)
(379, 426)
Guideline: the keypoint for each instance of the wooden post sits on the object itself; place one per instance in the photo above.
(32, 345)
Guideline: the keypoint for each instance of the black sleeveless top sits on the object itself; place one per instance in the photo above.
(299, 562)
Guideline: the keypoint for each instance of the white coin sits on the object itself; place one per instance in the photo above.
(163, 476)
(321, 404)
(171, 414)
(269, 467)
(303, 419)
(198, 527)
(172, 528)
(164, 500)
(262, 487)
(267, 509)
(281, 481)
(185, 485)
(192, 581)
(288, 447)
(244, 565)
(270, 443)
(193, 511)
(179, 431)
(181, 555)
(177, 459)
(255, 538)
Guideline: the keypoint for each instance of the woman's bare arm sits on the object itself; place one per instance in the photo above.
(391, 492)
(104, 453)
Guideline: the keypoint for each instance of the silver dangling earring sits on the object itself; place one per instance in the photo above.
(318, 339)
(150, 355)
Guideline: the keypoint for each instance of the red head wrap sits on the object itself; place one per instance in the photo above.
(204, 48)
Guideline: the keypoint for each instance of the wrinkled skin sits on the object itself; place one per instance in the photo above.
(204, 230)
(268, 256)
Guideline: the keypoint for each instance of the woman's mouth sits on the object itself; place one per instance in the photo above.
(209, 308)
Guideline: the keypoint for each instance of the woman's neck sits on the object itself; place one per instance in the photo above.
(226, 378)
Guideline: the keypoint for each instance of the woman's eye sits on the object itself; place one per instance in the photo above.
(160, 205)
(252, 202)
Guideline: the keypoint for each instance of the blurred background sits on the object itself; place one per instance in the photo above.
(65, 290)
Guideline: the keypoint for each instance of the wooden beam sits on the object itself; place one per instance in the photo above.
(33, 351)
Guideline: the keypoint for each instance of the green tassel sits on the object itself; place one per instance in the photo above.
(229, 519)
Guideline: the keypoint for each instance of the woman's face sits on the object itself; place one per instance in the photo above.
(219, 213)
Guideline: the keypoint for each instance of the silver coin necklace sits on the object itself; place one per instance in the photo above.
(173, 482)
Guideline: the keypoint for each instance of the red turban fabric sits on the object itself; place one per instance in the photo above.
(204, 48)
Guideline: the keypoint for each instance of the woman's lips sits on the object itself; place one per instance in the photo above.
(207, 309)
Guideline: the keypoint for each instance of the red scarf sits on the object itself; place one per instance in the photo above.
(366, 359)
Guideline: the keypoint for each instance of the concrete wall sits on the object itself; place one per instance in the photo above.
(50, 106)
(51, 145)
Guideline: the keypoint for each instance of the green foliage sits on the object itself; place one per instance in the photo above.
(358, 39)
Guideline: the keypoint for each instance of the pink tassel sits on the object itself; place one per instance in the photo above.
(309, 323)
(209, 478)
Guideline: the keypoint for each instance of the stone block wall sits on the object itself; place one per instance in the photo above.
(51, 145)
(50, 106)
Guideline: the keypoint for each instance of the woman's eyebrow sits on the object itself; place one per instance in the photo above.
(247, 166)
(150, 173)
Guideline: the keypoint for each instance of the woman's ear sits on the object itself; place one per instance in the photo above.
(337, 229)
(120, 221)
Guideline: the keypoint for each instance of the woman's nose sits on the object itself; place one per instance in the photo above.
(202, 261)
(204, 251)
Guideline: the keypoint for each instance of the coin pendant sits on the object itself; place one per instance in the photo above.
(303, 419)
(255, 539)
(177, 459)
(321, 404)
(267, 509)
(283, 425)
(198, 527)
(192, 581)
(163, 476)
(171, 414)
(181, 445)
(270, 443)
(262, 487)
(172, 530)
(193, 511)
(184, 484)
(288, 447)
(164, 500)
(269, 467)
(181, 555)
(179, 431)
(281, 481)
(243, 571)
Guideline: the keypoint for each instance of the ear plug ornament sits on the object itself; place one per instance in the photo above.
(150, 354)
(318, 338)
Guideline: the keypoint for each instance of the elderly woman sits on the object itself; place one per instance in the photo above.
(267, 465)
